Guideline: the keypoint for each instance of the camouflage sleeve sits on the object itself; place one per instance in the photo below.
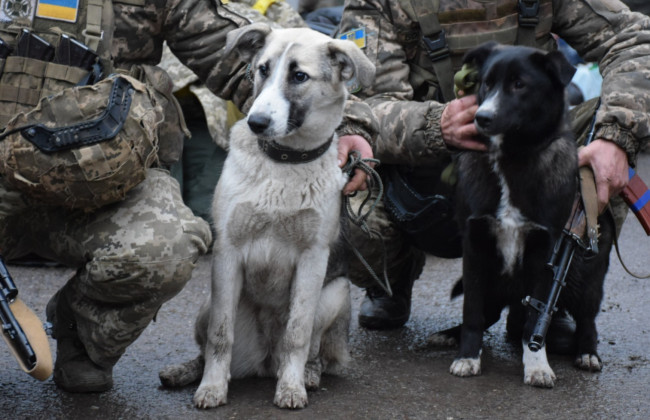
(606, 32)
(409, 131)
(195, 31)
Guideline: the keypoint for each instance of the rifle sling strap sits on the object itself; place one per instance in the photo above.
(590, 203)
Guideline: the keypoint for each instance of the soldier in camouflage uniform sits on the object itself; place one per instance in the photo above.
(135, 254)
(421, 123)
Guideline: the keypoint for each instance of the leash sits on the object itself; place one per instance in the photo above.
(360, 217)
(618, 252)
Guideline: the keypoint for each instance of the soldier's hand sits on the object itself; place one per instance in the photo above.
(348, 143)
(457, 124)
(610, 166)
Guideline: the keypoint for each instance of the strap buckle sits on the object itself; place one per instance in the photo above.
(528, 11)
(437, 48)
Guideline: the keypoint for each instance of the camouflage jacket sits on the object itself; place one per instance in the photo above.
(602, 31)
(195, 31)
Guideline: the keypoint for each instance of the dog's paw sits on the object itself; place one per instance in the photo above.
(441, 340)
(590, 362)
(181, 375)
(466, 367)
(290, 397)
(313, 371)
(209, 396)
(540, 377)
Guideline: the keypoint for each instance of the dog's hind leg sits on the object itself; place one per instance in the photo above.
(183, 374)
(190, 371)
(227, 280)
(293, 349)
(329, 341)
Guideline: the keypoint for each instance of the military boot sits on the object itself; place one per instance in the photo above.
(382, 312)
(74, 371)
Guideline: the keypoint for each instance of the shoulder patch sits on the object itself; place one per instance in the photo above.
(13, 9)
(65, 10)
(358, 36)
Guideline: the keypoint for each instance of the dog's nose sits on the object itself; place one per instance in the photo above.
(258, 122)
(483, 119)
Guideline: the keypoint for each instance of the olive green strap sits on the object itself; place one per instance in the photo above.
(528, 19)
(93, 33)
(435, 41)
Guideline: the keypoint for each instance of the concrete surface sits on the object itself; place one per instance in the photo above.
(394, 375)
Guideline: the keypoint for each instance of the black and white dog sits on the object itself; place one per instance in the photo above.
(513, 203)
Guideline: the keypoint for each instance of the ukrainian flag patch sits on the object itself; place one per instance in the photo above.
(65, 10)
(358, 36)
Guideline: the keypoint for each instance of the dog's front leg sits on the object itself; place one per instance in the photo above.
(227, 280)
(478, 271)
(310, 271)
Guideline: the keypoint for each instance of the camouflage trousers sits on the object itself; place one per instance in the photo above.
(401, 256)
(131, 257)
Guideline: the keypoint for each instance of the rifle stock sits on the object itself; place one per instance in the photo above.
(11, 329)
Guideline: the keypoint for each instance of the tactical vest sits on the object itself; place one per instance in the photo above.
(76, 132)
(444, 31)
(40, 69)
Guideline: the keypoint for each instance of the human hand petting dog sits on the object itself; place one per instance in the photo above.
(457, 124)
(609, 164)
(347, 144)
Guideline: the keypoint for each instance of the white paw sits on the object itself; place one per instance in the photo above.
(290, 396)
(209, 396)
(466, 367)
(590, 362)
(543, 378)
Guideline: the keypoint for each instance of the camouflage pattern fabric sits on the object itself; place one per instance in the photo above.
(602, 31)
(132, 256)
(403, 97)
(90, 176)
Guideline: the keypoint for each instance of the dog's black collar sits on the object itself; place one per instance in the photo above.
(284, 154)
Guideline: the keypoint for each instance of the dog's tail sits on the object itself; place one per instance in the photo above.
(183, 374)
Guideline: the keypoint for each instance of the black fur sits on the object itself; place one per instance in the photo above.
(537, 158)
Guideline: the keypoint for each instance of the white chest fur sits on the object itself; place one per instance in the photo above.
(512, 226)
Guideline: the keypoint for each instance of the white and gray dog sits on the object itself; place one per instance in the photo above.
(280, 303)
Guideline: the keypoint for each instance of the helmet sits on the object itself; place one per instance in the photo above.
(85, 146)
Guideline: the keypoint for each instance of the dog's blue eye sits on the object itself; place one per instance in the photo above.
(264, 71)
(300, 77)
(519, 84)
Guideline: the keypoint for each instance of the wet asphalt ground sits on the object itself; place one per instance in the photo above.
(394, 374)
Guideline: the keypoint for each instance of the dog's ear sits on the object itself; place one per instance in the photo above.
(559, 67)
(247, 40)
(352, 61)
(478, 55)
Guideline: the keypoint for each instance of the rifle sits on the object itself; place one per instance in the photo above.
(583, 222)
(36, 360)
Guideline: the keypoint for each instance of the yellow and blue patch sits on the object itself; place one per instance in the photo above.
(65, 10)
(358, 36)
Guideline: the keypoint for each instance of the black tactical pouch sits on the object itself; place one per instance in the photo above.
(428, 220)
